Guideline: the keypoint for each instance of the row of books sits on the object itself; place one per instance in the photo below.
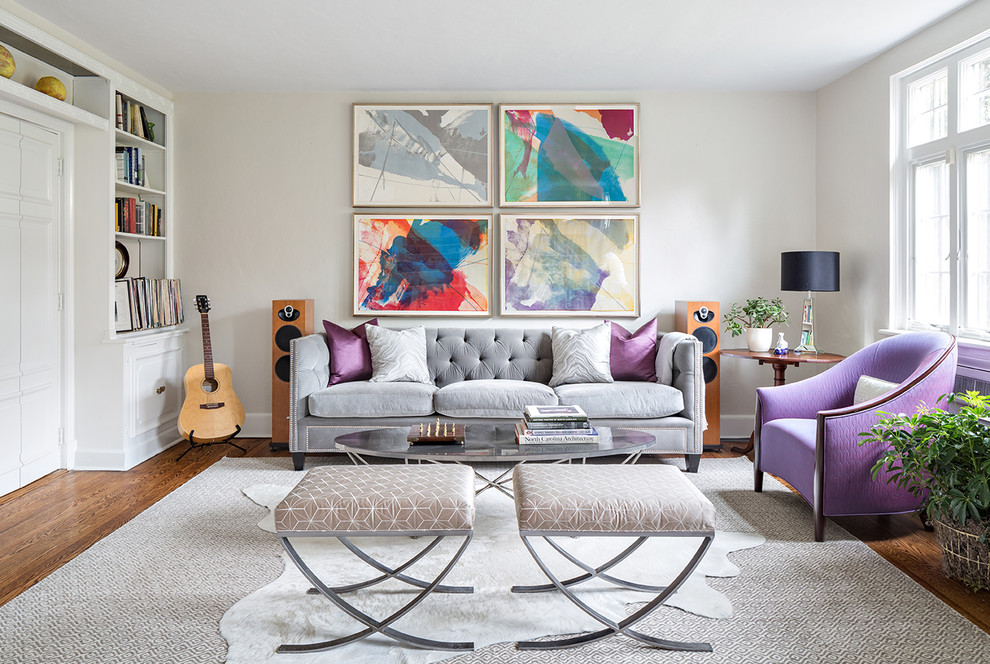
(142, 303)
(542, 425)
(136, 216)
(132, 118)
(130, 166)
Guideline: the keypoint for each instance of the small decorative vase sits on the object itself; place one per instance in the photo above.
(781, 347)
(759, 339)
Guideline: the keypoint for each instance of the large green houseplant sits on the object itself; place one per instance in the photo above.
(944, 456)
(758, 314)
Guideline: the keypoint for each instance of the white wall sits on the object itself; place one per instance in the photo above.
(263, 212)
(853, 179)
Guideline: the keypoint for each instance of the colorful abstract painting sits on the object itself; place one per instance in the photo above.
(555, 155)
(437, 266)
(570, 266)
(435, 156)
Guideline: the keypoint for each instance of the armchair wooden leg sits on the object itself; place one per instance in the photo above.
(819, 525)
(298, 460)
(692, 461)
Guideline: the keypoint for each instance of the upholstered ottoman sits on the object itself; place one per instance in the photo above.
(640, 501)
(410, 501)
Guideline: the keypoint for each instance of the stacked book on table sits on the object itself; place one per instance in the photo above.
(544, 425)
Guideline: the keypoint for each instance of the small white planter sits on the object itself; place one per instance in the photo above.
(759, 339)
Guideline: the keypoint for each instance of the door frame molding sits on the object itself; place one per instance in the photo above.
(65, 264)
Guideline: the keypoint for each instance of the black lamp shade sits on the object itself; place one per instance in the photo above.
(809, 271)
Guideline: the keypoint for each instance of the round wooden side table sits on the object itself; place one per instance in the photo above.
(779, 364)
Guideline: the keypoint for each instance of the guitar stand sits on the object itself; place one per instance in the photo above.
(226, 441)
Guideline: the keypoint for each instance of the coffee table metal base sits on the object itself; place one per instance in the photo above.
(503, 482)
(490, 444)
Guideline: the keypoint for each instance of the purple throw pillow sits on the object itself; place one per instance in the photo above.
(634, 355)
(350, 355)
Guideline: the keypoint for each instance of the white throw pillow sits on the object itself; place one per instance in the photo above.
(869, 388)
(398, 356)
(581, 356)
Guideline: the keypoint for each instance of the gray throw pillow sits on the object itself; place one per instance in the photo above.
(398, 356)
(581, 356)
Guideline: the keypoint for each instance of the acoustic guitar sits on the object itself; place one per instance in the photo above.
(211, 412)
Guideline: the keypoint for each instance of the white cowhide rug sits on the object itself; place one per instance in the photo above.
(282, 611)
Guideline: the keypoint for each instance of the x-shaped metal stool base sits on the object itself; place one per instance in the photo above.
(613, 627)
(381, 626)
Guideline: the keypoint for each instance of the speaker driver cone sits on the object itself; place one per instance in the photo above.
(708, 338)
(284, 335)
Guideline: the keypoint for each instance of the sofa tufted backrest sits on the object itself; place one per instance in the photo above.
(454, 354)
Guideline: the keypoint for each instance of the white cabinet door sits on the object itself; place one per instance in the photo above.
(30, 337)
(155, 367)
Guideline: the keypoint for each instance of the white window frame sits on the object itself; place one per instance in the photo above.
(953, 148)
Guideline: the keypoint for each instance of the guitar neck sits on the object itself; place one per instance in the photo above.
(207, 347)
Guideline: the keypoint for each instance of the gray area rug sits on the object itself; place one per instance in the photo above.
(155, 590)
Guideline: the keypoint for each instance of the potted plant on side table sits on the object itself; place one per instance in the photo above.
(945, 457)
(755, 318)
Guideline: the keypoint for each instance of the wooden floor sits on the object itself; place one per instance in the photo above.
(51, 521)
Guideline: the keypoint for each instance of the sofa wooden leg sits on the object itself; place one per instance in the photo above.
(692, 461)
(298, 460)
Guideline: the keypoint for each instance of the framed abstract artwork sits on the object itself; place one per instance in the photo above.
(422, 155)
(557, 155)
(570, 265)
(422, 266)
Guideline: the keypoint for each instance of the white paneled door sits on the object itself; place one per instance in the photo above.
(30, 326)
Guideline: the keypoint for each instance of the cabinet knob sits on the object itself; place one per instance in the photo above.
(160, 390)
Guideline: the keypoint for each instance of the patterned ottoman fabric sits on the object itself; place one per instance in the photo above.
(379, 499)
(609, 499)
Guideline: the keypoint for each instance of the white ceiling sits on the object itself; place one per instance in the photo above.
(323, 45)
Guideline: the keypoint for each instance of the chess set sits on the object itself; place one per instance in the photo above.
(437, 434)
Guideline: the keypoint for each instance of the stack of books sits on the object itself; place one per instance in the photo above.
(555, 424)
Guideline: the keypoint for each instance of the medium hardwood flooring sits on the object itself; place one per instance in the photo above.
(50, 522)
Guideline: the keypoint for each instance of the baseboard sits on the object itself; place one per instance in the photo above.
(143, 448)
(257, 425)
(736, 426)
(104, 459)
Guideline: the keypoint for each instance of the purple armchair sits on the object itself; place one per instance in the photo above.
(807, 433)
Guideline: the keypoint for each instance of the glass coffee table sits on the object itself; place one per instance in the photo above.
(490, 443)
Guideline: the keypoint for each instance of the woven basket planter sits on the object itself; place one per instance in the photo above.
(964, 558)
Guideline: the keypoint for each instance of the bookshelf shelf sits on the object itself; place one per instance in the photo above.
(138, 189)
(139, 236)
(125, 138)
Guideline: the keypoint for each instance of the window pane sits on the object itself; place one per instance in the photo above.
(931, 243)
(978, 241)
(974, 91)
(928, 108)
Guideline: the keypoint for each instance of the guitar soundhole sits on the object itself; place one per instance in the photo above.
(210, 385)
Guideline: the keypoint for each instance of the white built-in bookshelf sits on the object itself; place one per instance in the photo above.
(145, 295)
(141, 362)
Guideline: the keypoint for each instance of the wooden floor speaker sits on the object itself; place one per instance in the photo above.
(290, 319)
(702, 319)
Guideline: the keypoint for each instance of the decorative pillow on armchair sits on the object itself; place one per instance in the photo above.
(634, 354)
(581, 356)
(350, 356)
(869, 388)
(398, 356)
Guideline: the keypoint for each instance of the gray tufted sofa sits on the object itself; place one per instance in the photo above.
(489, 375)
